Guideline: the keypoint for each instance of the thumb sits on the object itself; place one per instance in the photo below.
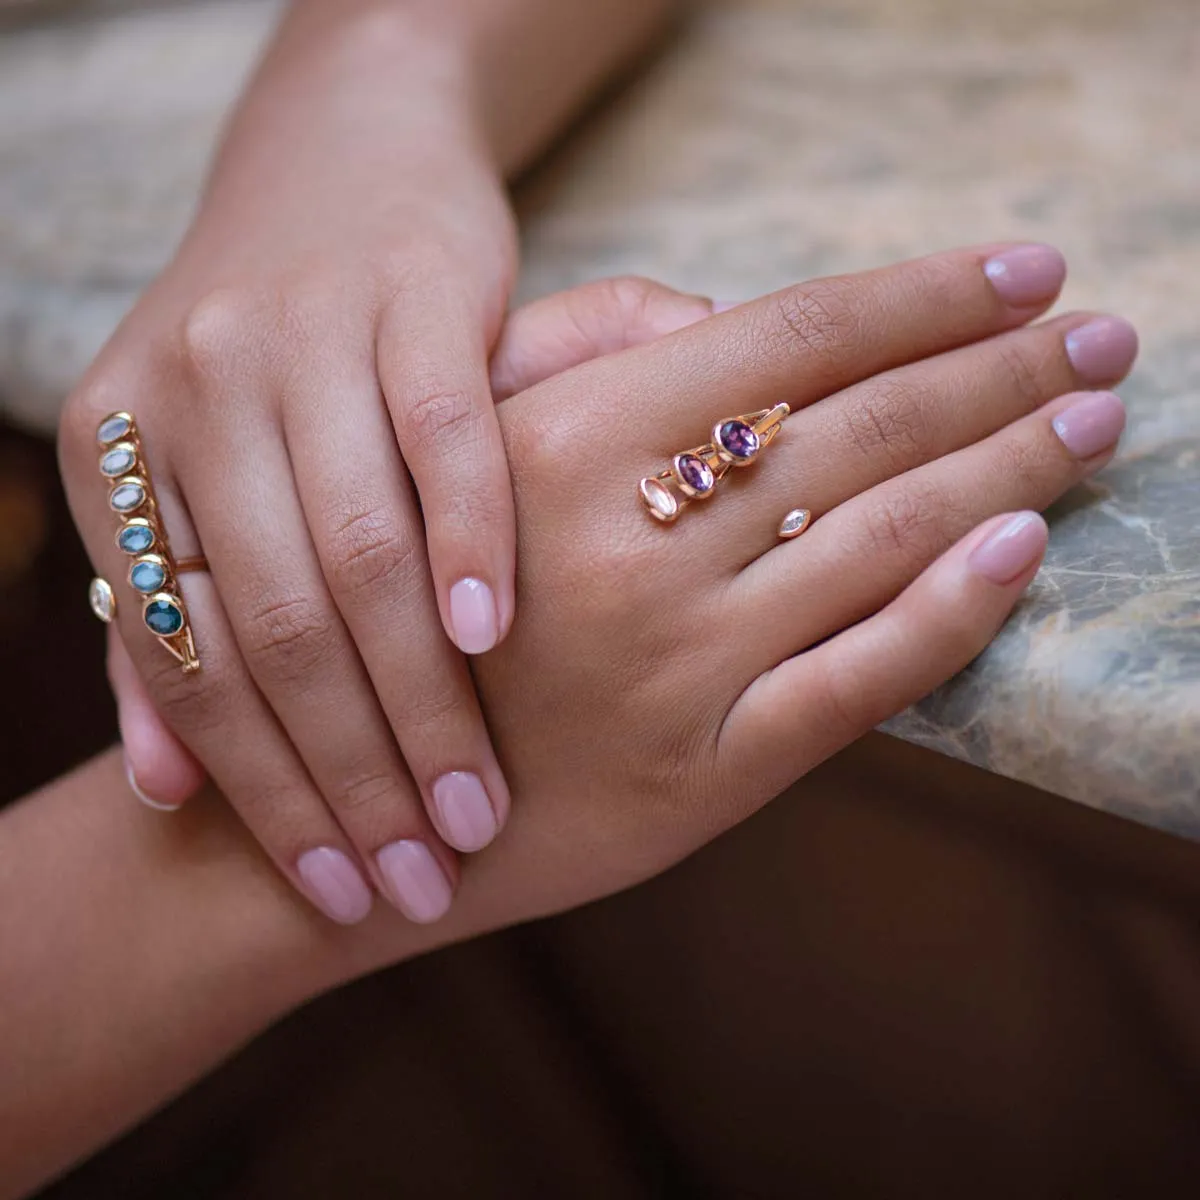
(561, 331)
(162, 772)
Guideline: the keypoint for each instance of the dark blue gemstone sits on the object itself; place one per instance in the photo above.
(163, 618)
(147, 577)
(135, 539)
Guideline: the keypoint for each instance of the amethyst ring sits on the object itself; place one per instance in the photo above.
(694, 474)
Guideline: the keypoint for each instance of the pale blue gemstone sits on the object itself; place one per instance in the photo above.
(112, 429)
(127, 497)
(135, 539)
(163, 617)
(117, 461)
(147, 577)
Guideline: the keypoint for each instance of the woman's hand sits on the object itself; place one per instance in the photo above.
(310, 378)
(663, 682)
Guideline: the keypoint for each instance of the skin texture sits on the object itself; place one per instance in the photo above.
(311, 376)
(661, 684)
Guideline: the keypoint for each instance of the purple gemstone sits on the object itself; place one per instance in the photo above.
(695, 472)
(738, 439)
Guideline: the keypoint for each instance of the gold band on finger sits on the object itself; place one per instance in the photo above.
(153, 570)
(694, 474)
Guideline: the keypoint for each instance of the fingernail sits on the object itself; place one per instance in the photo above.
(1010, 550)
(335, 885)
(466, 813)
(1103, 350)
(1027, 275)
(720, 306)
(137, 791)
(1092, 424)
(473, 616)
(418, 885)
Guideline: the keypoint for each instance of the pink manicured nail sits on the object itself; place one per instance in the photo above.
(1092, 424)
(131, 778)
(1010, 550)
(466, 813)
(335, 885)
(1027, 275)
(418, 885)
(473, 616)
(1103, 350)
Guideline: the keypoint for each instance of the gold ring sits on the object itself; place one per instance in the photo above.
(152, 571)
(694, 474)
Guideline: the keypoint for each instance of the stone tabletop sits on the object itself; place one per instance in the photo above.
(769, 142)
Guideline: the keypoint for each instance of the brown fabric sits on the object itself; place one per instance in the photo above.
(905, 978)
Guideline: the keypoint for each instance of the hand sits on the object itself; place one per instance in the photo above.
(542, 339)
(663, 682)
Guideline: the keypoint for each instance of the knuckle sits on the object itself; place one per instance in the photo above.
(287, 640)
(427, 707)
(909, 522)
(1023, 370)
(196, 705)
(815, 318)
(369, 553)
(885, 419)
(365, 791)
(219, 327)
(436, 415)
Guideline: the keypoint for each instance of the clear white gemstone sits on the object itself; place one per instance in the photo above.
(658, 500)
(795, 523)
(117, 461)
(112, 429)
(127, 497)
(102, 600)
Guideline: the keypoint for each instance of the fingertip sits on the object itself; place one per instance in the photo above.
(475, 624)
(1009, 548)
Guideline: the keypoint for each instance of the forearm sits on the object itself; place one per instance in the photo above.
(137, 952)
(526, 65)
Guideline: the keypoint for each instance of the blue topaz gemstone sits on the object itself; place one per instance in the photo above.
(147, 577)
(135, 539)
(117, 461)
(163, 617)
(125, 497)
(113, 428)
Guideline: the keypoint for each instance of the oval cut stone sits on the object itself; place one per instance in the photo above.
(695, 472)
(113, 428)
(126, 497)
(163, 617)
(117, 461)
(135, 539)
(659, 502)
(102, 600)
(738, 439)
(147, 577)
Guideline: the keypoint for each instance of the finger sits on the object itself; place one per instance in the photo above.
(432, 363)
(853, 561)
(368, 537)
(561, 331)
(809, 341)
(895, 422)
(304, 662)
(163, 773)
(811, 705)
(218, 711)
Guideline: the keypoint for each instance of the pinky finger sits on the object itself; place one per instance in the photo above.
(811, 706)
(162, 772)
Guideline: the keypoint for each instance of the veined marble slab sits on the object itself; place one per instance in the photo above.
(770, 142)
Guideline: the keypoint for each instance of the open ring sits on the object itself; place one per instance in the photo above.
(694, 474)
(153, 571)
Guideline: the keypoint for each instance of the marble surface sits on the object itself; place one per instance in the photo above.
(770, 141)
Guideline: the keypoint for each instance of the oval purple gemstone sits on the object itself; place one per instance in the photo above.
(695, 472)
(738, 439)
